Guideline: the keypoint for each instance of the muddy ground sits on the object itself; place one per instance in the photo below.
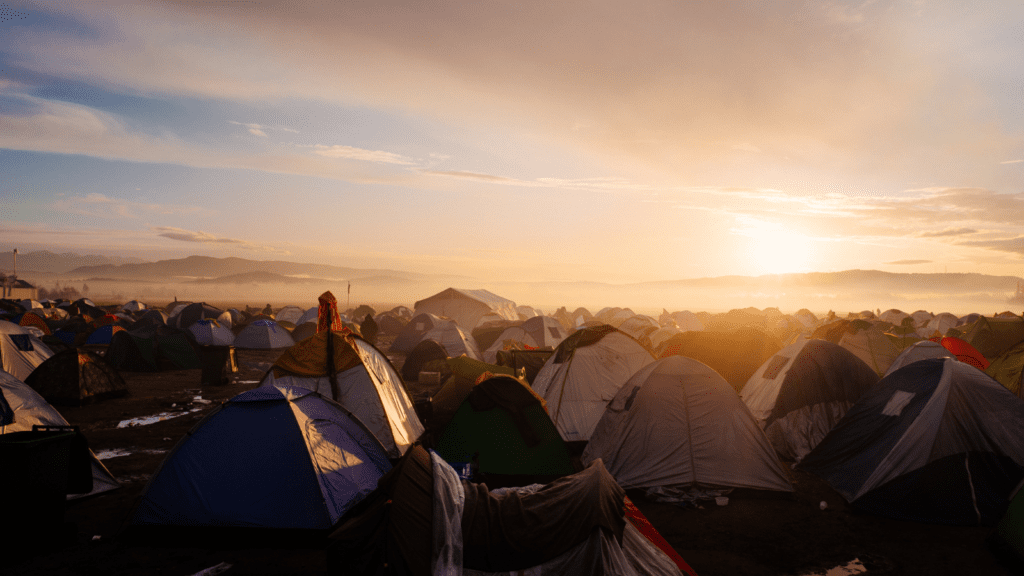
(755, 534)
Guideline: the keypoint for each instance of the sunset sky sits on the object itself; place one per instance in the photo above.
(607, 141)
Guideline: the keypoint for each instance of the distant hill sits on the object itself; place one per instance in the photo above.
(205, 267)
(872, 279)
(47, 262)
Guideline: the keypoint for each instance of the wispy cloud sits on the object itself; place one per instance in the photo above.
(908, 262)
(1013, 245)
(352, 153)
(183, 235)
(260, 129)
(1012, 161)
(97, 205)
(948, 232)
(470, 176)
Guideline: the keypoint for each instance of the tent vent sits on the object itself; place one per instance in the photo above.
(896, 404)
(774, 367)
(632, 396)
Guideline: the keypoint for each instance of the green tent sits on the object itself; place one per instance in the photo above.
(994, 336)
(1008, 369)
(503, 430)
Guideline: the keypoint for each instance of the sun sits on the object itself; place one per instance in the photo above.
(775, 248)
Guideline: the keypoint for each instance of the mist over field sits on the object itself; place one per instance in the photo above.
(279, 283)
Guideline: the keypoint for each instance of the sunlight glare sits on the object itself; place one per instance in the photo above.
(776, 249)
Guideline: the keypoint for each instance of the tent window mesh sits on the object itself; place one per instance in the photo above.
(22, 342)
(774, 367)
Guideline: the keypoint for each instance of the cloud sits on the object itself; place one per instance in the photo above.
(673, 85)
(352, 153)
(470, 176)
(96, 205)
(908, 262)
(66, 128)
(1012, 161)
(947, 233)
(1013, 245)
(183, 235)
(259, 129)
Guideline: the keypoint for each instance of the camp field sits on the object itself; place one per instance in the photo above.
(755, 533)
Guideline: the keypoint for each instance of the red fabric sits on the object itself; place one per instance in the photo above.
(644, 526)
(327, 317)
(964, 352)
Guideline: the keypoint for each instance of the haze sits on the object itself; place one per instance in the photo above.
(523, 141)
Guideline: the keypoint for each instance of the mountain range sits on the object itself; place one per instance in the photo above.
(46, 262)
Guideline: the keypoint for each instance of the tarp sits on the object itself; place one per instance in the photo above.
(417, 527)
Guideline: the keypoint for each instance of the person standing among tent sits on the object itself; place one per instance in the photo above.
(268, 310)
(369, 329)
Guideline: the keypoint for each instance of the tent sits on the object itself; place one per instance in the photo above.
(192, 313)
(357, 376)
(103, 335)
(735, 354)
(424, 520)
(133, 306)
(413, 332)
(994, 336)
(678, 424)
(75, 376)
(467, 307)
(922, 350)
(872, 347)
(20, 351)
(803, 391)
(263, 335)
(583, 375)
(964, 352)
(539, 332)
(153, 349)
(501, 427)
(456, 341)
(640, 327)
(289, 314)
(304, 330)
(1008, 369)
(935, 441)
(209, 332)
(29, 409)
(275, 457)
(426, 351)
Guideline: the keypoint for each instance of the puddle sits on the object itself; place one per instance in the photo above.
(147, 420)
(852, 567)
(118, 452)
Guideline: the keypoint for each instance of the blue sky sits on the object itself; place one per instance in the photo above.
(536, 140)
